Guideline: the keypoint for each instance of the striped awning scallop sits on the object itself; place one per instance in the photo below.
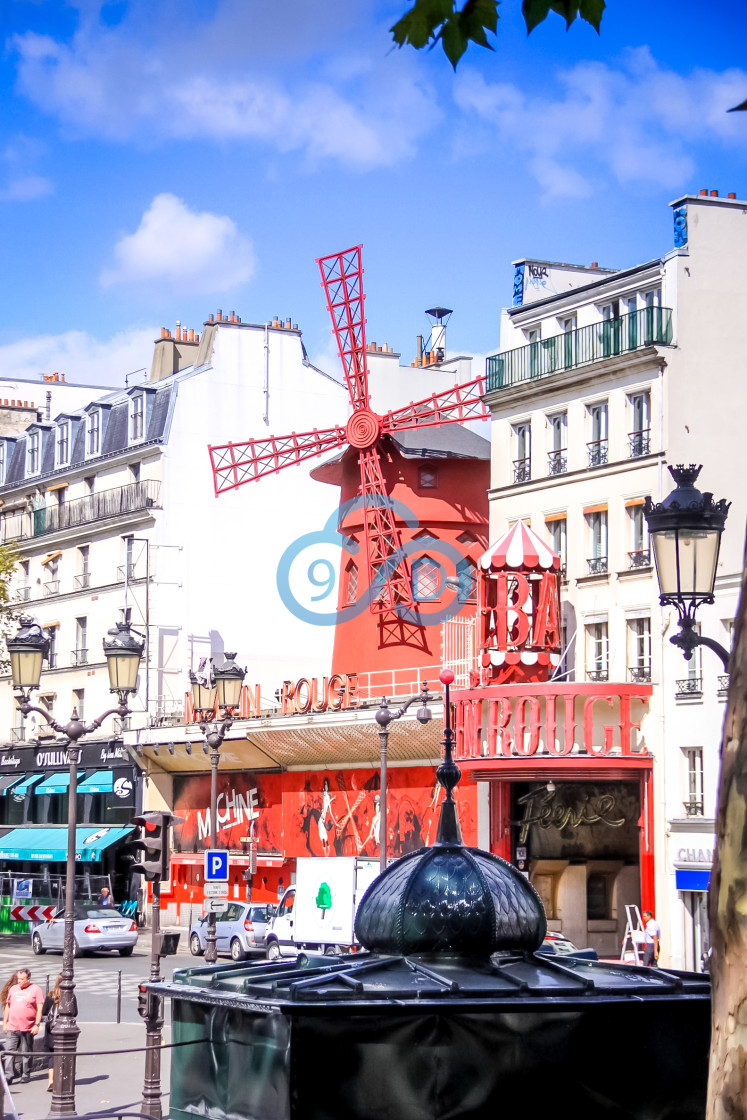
(519, 549)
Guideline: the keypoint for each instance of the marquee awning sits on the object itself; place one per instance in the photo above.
(54, 783)
(101, 781)
(691, 879)
(23, 787)
(50, 844)
(7, 781)
(520, 547)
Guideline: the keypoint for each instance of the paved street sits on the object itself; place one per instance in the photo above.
(109, 1082)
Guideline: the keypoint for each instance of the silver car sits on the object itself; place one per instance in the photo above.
(96, 927)
(239, 930)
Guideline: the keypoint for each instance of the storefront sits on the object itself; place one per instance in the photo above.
(690, 861)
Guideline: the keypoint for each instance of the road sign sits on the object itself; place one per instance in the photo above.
(215, 890)
(215, 905)
(32, 913)
(216, 866)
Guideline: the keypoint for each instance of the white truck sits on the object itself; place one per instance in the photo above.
(318, 912)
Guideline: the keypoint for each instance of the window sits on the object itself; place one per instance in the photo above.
(692, 684)
(3, 447)
(597, 896)
(79, 696)
(427, 578)
(24, 588)
(631, 331)
(597, 522)
(63, 443)
(134, 472)
(569, 341)
(427, 478)
(467, 573)
(652, 316)
(639, 650)
(523, 446)
(51, 632)
(639, 437)
(94, 432)
(351, 591)
(137, 413)
(557, 456)
(557, 528)
(694, 805)
(80, 653)
(34, 460)
(83, 576)
(611, 329)
(597, 652)
(597, 446)
(640, 554)
(46, 703)
(127, 570)
(90, 485)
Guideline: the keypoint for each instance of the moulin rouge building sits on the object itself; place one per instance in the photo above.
(558, 776)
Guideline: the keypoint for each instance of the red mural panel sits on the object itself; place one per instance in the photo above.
(317, 813)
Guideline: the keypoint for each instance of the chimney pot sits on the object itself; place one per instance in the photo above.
(731, 194)
(211, 318)
(219, 315)
(197, 338)
(714, 194)
(703, 192)
(163, 332)
(191, 335)
(287, 324)
(178, 334)
(595, 264)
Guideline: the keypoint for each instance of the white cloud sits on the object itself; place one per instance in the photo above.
(26, 188)
(82, 358)
(635, 122)
(188, 251)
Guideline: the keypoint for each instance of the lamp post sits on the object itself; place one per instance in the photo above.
(27, 651)
(384, 717)
(216, 691)
(685, 531)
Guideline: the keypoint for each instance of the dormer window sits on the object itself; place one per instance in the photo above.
(63, 443)
(93, 444)
(34, 453)
(137, 416)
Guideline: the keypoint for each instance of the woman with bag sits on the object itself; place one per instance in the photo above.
(50, 1011)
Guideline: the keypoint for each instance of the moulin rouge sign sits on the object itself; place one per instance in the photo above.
(332, 694)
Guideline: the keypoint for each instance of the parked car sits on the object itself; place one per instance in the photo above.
(239, 930)
(555, 945)
(96, 927)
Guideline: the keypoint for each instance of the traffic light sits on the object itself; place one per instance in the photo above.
(151, 846)
(146, 1002)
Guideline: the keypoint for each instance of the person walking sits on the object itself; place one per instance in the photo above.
(21, 1019)
(50, 1011)
(653, 939)
(105, 899)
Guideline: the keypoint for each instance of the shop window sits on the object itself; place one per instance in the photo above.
(597, 896)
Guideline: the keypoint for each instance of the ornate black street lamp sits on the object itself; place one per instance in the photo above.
(384, 717)
(216, 691)
(685, 531)
(27, 651)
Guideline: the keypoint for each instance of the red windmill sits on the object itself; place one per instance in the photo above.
(233, 464)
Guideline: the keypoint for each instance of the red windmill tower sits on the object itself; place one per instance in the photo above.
(389, 591)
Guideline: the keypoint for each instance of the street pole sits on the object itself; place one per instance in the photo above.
(211, 952)
(384, 746)
(65, 1031)
(151, 1105)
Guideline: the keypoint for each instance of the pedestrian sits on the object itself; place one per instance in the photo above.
(21, 1019)
(50, 1011)
(105, 897)
(6, 989)
(653, 940)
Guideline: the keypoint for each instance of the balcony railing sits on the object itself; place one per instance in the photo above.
(82, 581)
(597, 451)
(81, 511)
(598, 676)
(125, 572)
(648, 327)
(522, 470)
(639, 443)
(723, 685)
(597, 566)
(18, 734)
(639, 558)
(24, 593)
(51, 660)
(50, 588)
(557, 461)
(691, 686)
(121, 724)
(693, 808)
(640, 674)
(78, 656)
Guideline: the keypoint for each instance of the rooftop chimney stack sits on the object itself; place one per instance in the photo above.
(439, 317)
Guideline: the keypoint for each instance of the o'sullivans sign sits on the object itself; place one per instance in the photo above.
(553, 720)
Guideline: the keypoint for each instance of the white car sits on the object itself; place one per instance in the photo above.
(96, 927)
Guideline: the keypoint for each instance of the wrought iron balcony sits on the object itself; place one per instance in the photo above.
(598, 676)
(651, 326)
(79, 657)
(24, 593)
(640, 674)
(639, 558)
(51, 660)
(522, 470)
(639, 443)
(81, 511)
(723, 685)
(598, 566)
(50, 588)
(82, 581)
(694, 808)
(691, 686)
(125, 572)
(597, 451)
(557, 461)
(18, 734)
(564, 572)
(121, 725)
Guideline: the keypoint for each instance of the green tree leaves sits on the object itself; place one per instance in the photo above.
(429, 22)
(8, 614)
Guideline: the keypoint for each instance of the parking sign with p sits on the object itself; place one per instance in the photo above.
(216, 866)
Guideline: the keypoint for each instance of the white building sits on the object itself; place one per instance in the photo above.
(604, 379)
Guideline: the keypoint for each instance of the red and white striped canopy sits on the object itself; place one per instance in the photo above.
(519, 549)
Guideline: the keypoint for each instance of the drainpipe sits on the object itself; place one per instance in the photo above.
(266, 416)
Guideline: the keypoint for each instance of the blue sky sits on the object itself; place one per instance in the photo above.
(160, 160)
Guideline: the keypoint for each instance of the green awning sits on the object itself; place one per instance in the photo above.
(101, 781)
(23, 787)
(50, 844)
(54, 783)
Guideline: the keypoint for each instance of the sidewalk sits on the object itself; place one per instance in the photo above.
(109, 1084)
